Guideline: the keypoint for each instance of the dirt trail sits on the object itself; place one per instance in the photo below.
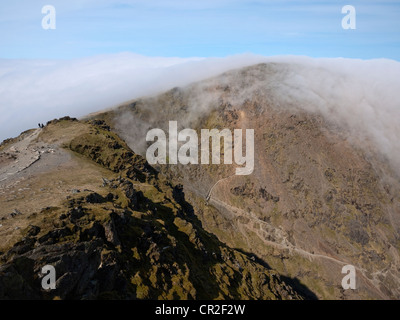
(28, 156)
(25, 155)
(211, 189)
(283, 242)
(280, 240)
(285, 245)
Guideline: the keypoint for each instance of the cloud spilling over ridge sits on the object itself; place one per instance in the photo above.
(33, 91)
(361, 98)
(363, 95)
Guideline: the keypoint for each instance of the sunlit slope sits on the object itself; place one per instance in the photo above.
(325, 189)
(112, 226)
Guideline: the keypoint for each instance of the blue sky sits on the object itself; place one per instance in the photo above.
(201, 28)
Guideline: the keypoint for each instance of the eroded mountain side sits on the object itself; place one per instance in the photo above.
(323, 194)
(74, 196)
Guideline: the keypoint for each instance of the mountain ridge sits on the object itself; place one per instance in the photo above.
(320, 196)
(135, 237)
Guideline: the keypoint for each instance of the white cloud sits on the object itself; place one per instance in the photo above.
(33, 91)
